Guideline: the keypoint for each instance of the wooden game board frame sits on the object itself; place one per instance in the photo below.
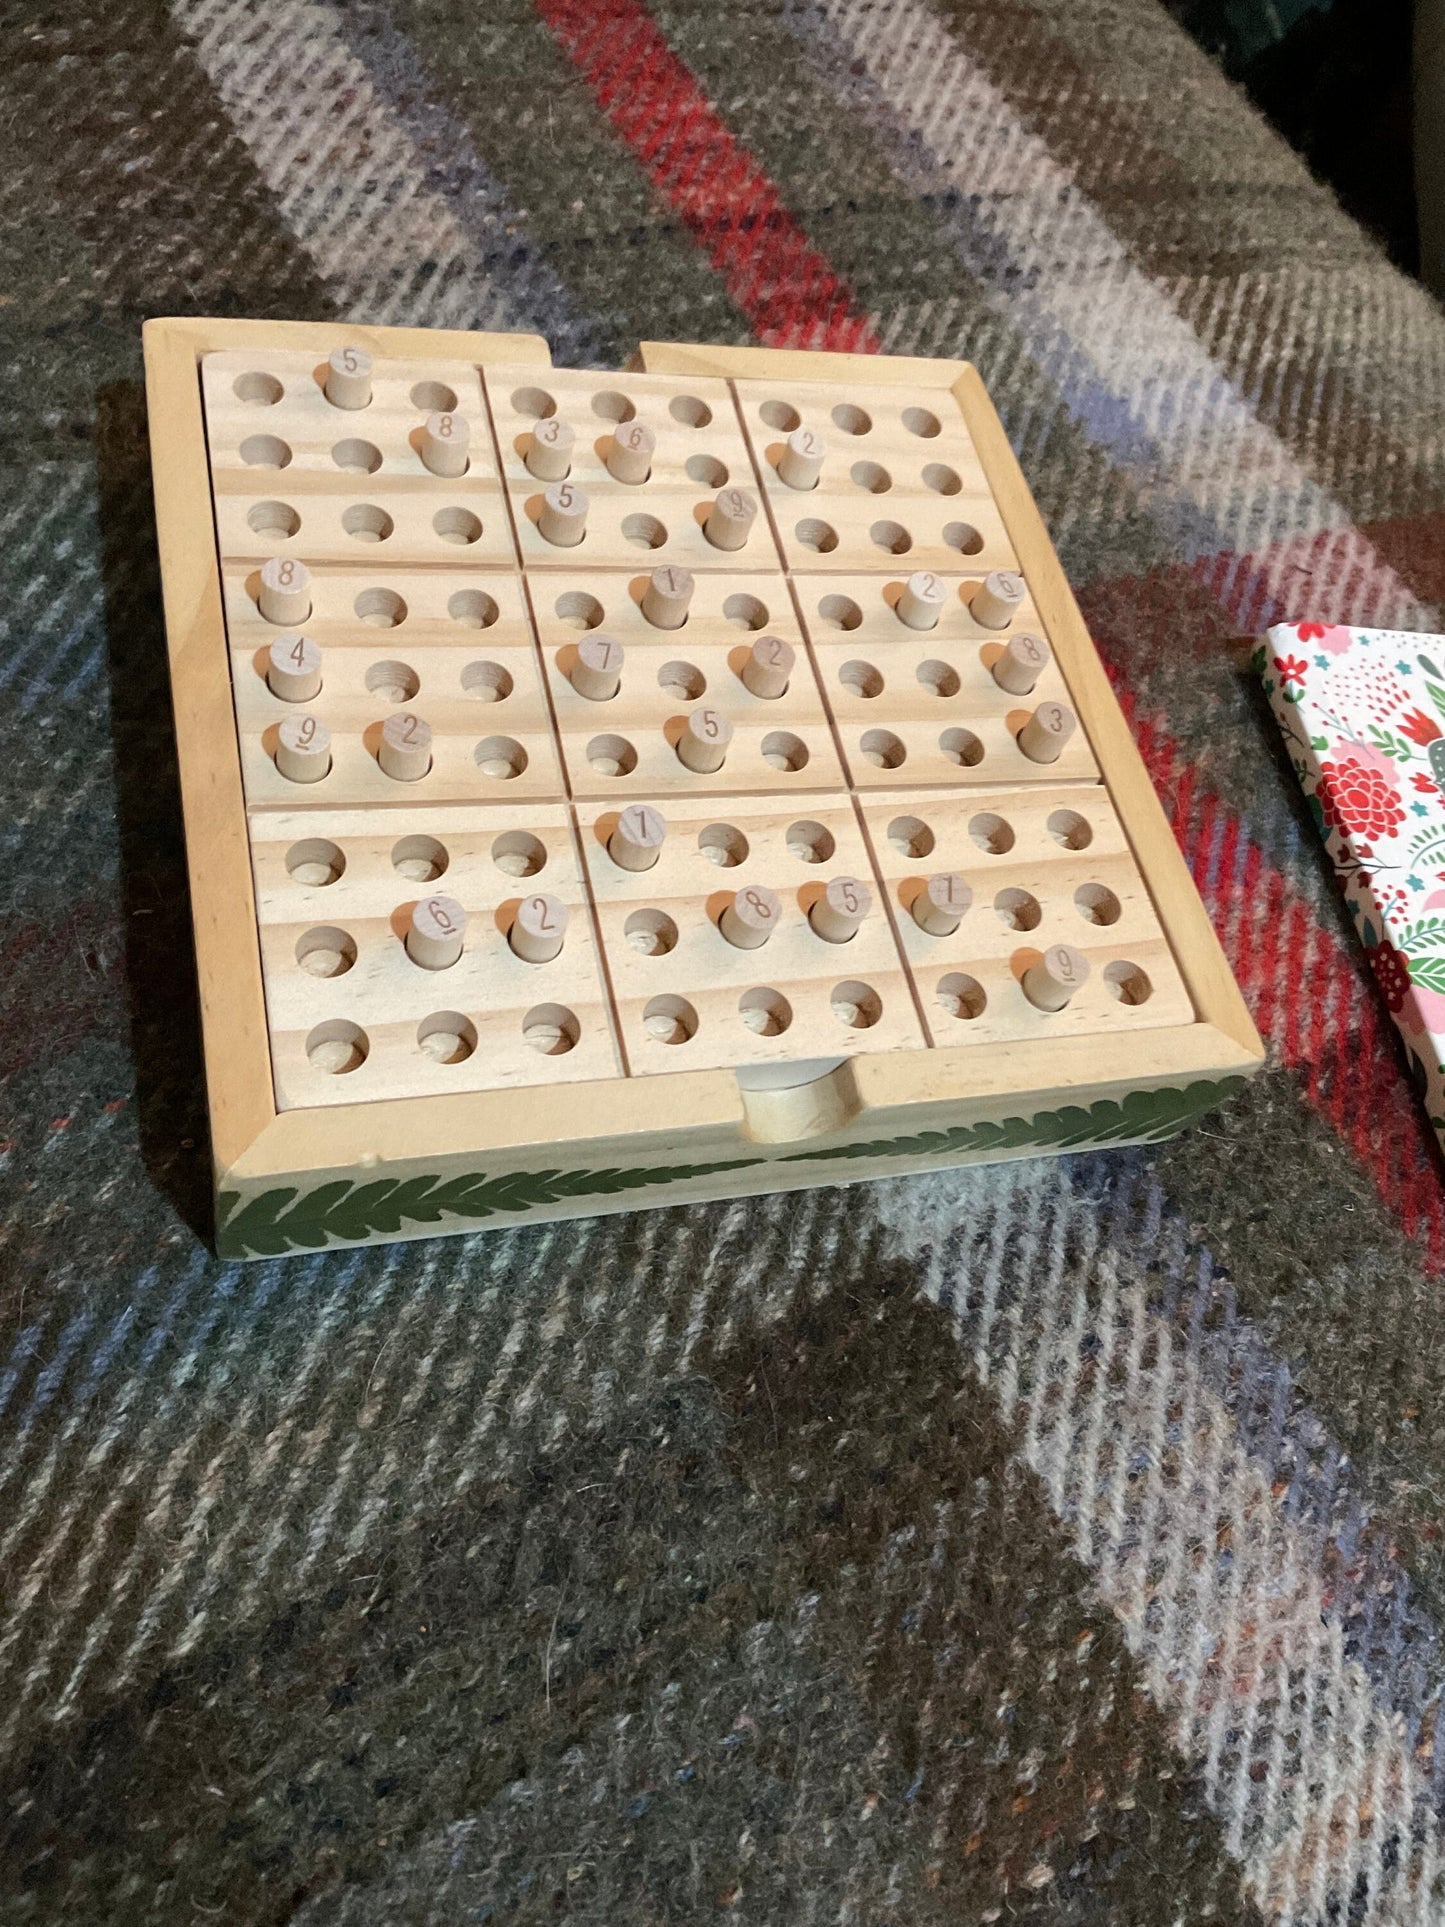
(407, 1167)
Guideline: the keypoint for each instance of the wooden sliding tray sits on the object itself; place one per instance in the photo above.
(616, 789)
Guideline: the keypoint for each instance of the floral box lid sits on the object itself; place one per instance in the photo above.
(1363, 716)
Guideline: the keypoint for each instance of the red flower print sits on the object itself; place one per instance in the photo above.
(1358, 800)
(1392, 974)
(1309, 631)
(1420, 729)
(1425, 786)
(1290, 668)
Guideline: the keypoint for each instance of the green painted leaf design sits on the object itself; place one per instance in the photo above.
(1429, 972)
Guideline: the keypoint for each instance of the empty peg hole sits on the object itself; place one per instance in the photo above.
(652, 933)
(473, 608)
(911, 837)
(551, 1029)
(962, 536)
(892, 537)
(819, 536)
(781, 416)
(810, 842)
(393, 682)
(862, 679)
(942, 479)
(578, 609)
(1127, 983)
(380, 608)
(500, 757)
(872, 476)
(434, 398)
(1017, 909)
(337, 1046)
(882, 748)
(487, 682)
(314, 860)
(939, 678)
(767, 1013)
(691, 410)
(994, 835)
(921, 422)
(612, 406)
(683, 681)
(457, 525)
(960, 995)
(643, 531)
(746, 612)
(535, 404)
(706, 470)
(257, 387)
(421, 858)
(962, 747)
(1075, 832)
(612, 756)
(326, 951)
(1096, 903)
(365, 522)
(446, 1037)
(275, 520)
(857, 1005)
(720, 843)
(851, 420)
(782, 750)
(840, 612)
(265, 451)
(669, 1020)
(356, 457)
(517, 853)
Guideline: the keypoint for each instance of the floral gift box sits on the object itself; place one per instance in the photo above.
(1363, 715)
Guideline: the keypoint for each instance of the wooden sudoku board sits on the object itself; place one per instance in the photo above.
(606, 789)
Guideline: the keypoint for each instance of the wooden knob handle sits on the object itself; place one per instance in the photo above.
(436, 932)
(703, 744)
(996, 599)
(404, 751)
(667, 595)
(801, 462)
(563, 521)
(630, 452)
(942, 904)
(348, 378)
(293, 669)
(841, 908)
(285, 592)
(549, 452)
(1024, 660)
(768, 667)
(597, 672)
(1044, 735)
(303, 749)
(539, 930)
(752, 917)
(445, 439)
(922, 600)
(730, 519)
(1052, 981)
(637, 842)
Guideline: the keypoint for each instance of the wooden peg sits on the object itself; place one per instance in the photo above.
(435, 934)
(922, 600)
(405, 748)
(942, 904)
(1052, 981)
(801, 462)
(636, 843)
(285, 596)
(703, 744)
(293, 669)
(730, 519)
(752, 917)
(444, 443)
(630, 452)
(1024, 660)
(303, 749)
(768, 667)
(348, 378)
(841, 908)
(1043, 736)
(563, 521)
(549, 452)
(597, 671)
(665, 599)
(540, 927)
(996, 599)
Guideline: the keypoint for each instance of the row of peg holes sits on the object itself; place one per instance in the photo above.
(263, 390)
(316, 861)
(535, 404)
(822, 538)
(849, 419)
(580, 610)
(613, 755)
(338, 1046)
(381, 608)
(364, 522)
(670, 1019)
(352, 456)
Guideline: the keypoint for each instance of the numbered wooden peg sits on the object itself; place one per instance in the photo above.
(1044, 735)
(405, 748)
(942, 904)
(922, 600)
(563, 520)
(752, 917)
(597, 672)
(1052, 981)
(801, 462)
(285, 594)
(637, 842)
(703, 744)
(549, 451)
(667, 595)
(841, 908)
(348, 378)
(730, 519)
(539, 929)
(996, 599)
(1024, 660)
(293, 669)
(436, 933)
(768, 667)
(445, 439)
(303, 749)
(630, 452)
